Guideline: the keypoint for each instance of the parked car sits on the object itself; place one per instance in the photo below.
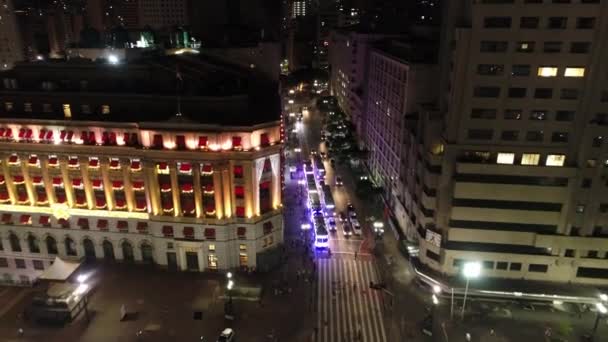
(331, 222)
(227, 335)
(339, 181)
(342, 216)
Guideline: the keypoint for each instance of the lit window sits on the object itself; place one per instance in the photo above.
(555, 160)
(67, 112)
(546, 71)
(105, 109)
(574, 72)
(530, 159)
(212, 248)
(505, 158)
(8, 106)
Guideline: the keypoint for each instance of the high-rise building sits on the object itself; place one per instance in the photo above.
(11, 46)
(515, 175)
(163, 13)
(107, 162)
(301, 8)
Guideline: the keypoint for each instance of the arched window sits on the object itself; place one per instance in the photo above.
(51, 245)
(70, 247)
(15, 243)
(32, 243)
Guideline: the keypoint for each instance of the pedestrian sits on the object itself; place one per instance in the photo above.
(356, 252)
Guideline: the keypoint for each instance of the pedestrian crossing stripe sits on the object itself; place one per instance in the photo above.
(348, 310)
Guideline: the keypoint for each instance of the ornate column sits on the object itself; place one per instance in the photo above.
(175, 190)
(198, 193)
(227, 189)
(218, 193)
(151, 187)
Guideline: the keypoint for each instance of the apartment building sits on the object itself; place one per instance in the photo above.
(11, 44)
(94, 163)
(515, 166)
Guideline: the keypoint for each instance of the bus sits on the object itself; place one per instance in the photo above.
(321, 235)
(328, 198)
(311, 184)
(315, 204)
(318, 162)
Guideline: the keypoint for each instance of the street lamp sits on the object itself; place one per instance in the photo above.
(228, 310)
(601, 310)
(436, 289)
(604, 297)
(469, 270)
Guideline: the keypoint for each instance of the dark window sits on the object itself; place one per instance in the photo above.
(557, 22)
(534, 136)
(564, 115)
(504, 226)
(515, 266)
(580, 47)
(497, 1)
(480, 134)
(432, 255)
(507, 179)
(543, 93)
(575, 231)
(493, 46)
(552, 47)
(457, 262)
(524, 47)
(499, 204)
(520, 70)
(490, 69)
(497, 22)
(561, 1)
(517, 92)
(592, 254)
(538, 114)
(512, 114)
(20, 263)
(3, 262)
(483, 113)
(604, 96)
(533, 1)
(586, 183)
(603, 208)
(486, 91)
(585, 23)
(488, 265)
(509, 135)
(502, 265)
(559, 137)
(569, 253)
(538, 268)
(568, 94)
(529, 22)
(597, 141)
(592, 272)
(38, 264)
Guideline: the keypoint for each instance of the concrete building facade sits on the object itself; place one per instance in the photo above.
(11, 45)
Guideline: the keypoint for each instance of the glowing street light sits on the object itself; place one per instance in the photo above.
(604, 297)
(436, 289)
(435, 299)
(113, 59)
(601, 310)
(229, 275)
(469, 270)
(230, 285)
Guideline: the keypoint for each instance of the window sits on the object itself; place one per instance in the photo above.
(538, 114)
(592, 254)
(535, 136)
(8, 106)
(547, 71)
(520, 70)
(238, 171)
(530, 159)
(580, 47)
(580, 208)
(568, 94)
(538, 268)
(47, 108)
(27, 107)
(239, 192)
(512, 114)
(569, 253)
(585, 23)
(502, 265)
(505, 158)
(85, 109)
(575, 231)
(591, 163)
(574, 72)
(586, 183)
(597, 141)
(515, 266)
(211, 248)
(483, 113)
(67, 112)
(524, 47)
(497, 22)
(557, 23)
(486, 91)
(509, 135)
(555, 160)
(105, 109)
(457, 262)
(552, 47)
(559, 137)
(20, 263)
(493, 46)
(543, 93)
(488, 265)
(490, 69)
(564, 115)
(480, 134)
(529, 22)
(38, 264)
(3, 262)
(517, 92)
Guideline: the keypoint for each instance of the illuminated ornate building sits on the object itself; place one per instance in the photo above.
(96, 165)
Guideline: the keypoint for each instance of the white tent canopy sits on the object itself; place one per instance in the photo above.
(60, 270)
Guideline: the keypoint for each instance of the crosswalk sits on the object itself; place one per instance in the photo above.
(348, 310)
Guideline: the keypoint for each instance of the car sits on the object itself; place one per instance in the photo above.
(356, 226)
(350, 207)
(342, 216)
(332, 162)
(322, 182)
(313, 152)
(323, 155)
(346, 229)
(331, 222)
(227, 335)
(352, 214)
(339, 181)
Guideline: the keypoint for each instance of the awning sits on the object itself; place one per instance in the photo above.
(138, 185)
(49, 135)
(168, 230)
(117, 184)
(202, 141)
(142, 226)
(25, 219)
(76, 182)
(140, 204)
(83, 222)
(57, 181)
(185, 167)
(187, 187)
(37, 180)
(93, 162)
(236, 141)
(207, 168)
(73, 162)
(60, 270)
(96, 183)
(240, 211)
(135, 165)
(33, 160)
(165, 187)
(42, 134)
(102, 224)
(122, 225)
(189, 232)
(53, 161)
(162, 166)
(7, 218)
(114, 164)
(44, 220)
(264, 140)
(18, 179)
(267, 227)
(13, 159)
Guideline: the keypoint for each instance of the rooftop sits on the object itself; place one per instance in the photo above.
(410, 50)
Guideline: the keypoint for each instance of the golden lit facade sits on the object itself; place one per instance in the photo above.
(181, 195)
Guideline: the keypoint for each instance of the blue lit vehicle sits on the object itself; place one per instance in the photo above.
(315, 203)
(311, 184)
(328, 199)
(319, 164)
(321, 234)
